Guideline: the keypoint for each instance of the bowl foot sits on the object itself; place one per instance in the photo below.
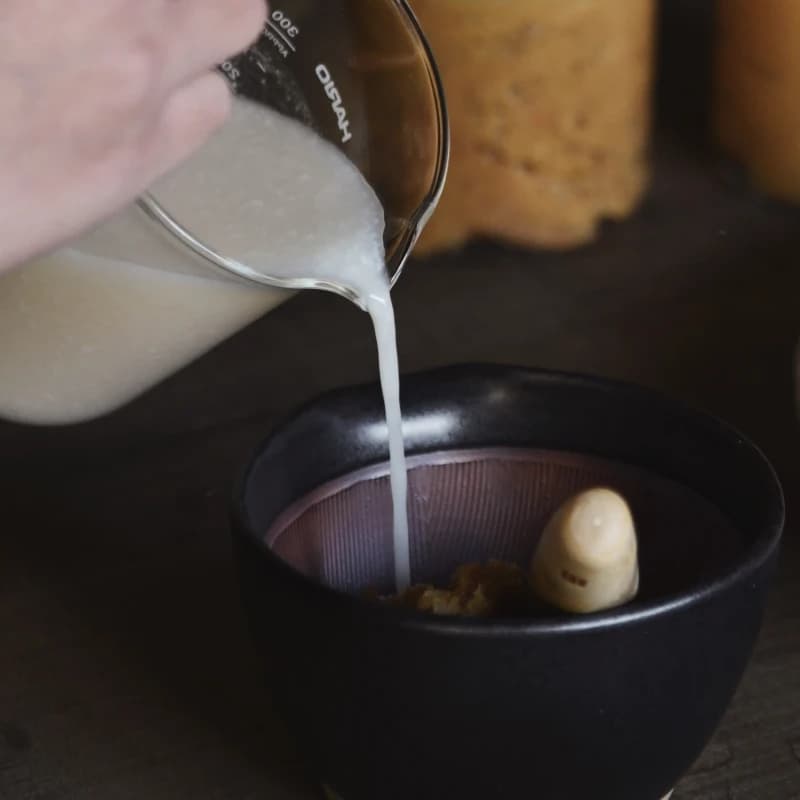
(329, 794)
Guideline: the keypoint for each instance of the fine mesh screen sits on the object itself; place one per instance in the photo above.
(476, 505)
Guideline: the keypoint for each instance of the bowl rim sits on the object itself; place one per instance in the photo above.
(765, 544)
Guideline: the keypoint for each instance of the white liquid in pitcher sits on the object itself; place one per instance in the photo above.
(85, 330)
(295, 207)
(81, 335)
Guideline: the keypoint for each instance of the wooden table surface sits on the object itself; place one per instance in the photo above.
(125, 668)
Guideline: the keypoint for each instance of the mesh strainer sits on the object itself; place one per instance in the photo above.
(476, 505)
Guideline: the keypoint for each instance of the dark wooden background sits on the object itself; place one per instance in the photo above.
(125, 669)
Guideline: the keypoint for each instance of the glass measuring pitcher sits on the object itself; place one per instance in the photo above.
(360, 74)
(86, 329)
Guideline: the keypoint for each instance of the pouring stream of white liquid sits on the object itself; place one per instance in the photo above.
(294, 206)
(382, 314)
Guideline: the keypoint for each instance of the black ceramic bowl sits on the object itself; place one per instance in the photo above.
(392, 705)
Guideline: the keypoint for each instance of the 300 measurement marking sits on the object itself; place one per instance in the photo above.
(283, 27)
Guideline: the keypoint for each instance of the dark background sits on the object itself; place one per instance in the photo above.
(125, 669)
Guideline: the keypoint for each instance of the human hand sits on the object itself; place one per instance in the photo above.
(98, 99)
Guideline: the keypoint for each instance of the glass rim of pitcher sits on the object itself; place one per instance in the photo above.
(230, 266)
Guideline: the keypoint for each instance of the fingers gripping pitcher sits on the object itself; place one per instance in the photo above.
(338, 118)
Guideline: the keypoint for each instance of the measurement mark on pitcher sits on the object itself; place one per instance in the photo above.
(279, 32)
(278, 43)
